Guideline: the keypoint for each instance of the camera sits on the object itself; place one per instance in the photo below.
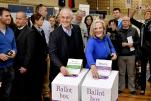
(9, 52)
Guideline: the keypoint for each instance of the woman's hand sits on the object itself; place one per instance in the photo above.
(94, 72)
(114, 56)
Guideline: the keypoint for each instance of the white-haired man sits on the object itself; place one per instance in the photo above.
(65, 42)
(78, 21)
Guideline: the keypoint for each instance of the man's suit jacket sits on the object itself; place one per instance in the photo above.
(58, 48)
(31, 49)
(32, 54)
(24, 47)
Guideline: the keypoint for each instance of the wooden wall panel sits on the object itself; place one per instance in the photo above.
(9, 1)
(51, 2)
(36, 2)
(108, 5)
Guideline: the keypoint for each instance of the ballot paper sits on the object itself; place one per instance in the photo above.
(130, 40)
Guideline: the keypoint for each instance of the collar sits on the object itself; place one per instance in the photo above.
(3, 30)
(100, 38)
(68, 31)
(120, 19)
(39, 29)
(146, 21)
(20, 28)
(66, 28)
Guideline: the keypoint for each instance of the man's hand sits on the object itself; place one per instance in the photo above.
(124, 44)
(4, 57)
(132, 12)
(22, 70)
(0, 84)
(64, 70)
(48, 58)
(130, 45)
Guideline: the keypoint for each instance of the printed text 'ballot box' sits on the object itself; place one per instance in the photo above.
(67, 88)
(101, 89)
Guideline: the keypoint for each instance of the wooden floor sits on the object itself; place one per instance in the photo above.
(125, 96)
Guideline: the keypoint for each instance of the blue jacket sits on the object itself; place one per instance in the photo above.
(98, 49)
(7, 42)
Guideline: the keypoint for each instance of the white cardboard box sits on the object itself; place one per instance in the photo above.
(101, 89)
(67, 88)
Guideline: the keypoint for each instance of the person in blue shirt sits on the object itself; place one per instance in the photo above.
(7, 54)
(99, 46)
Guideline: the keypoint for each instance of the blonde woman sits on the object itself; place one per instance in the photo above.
(99, 46)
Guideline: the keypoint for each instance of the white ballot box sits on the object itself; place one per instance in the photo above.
(68, 88)
(100, 89)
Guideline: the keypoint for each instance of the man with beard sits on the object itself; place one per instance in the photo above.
(7, 54)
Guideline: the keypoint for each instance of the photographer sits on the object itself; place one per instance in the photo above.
(145, 44)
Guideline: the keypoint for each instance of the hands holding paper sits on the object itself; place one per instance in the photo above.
(64, 70)
(124, 44)
(130, 45)
(94, 72)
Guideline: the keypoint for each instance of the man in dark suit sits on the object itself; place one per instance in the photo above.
(64, 43)
(20, 90)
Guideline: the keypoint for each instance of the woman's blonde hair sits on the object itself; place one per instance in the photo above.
(93, 25)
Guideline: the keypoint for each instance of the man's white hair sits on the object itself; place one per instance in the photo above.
(80, 12)
(66, 10)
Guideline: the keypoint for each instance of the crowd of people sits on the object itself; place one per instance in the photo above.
(34, 50)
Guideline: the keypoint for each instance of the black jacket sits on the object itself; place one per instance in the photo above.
(32, 53)
(32, 49)
(23, 40)
(123, 34)
(145, 35)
